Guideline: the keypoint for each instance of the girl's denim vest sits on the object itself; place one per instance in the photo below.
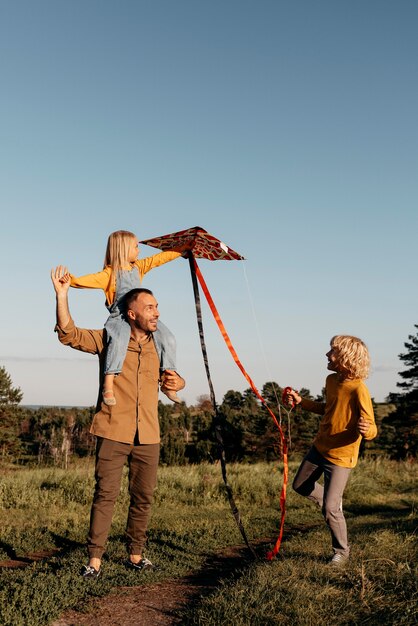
(118, 329)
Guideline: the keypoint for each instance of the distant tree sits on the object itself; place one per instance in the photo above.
(410, 358)
(232, 400)
(252, 434)
(234, 413)
(204, 445)
(303, 425)
(84, 443)
(204, 404)
(56, 434)
(10, 416)
(251, 402)
(399, 432)
(261, 439)
(185, 421)
(174, 424)
(271, 393)
(173, 449)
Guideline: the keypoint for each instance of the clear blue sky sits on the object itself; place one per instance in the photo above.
(286, 129)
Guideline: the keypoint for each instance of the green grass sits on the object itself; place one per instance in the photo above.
(48, 509)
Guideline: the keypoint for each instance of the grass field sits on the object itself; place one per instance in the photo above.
(48, 510)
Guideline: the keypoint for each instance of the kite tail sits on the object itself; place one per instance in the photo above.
(196, 272)
(217, 421)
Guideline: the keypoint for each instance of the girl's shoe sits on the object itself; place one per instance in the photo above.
(170, 394)
(109, 397)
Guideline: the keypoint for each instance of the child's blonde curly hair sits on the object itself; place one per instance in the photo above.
(352, 356)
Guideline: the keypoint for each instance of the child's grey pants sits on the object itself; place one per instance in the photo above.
(328, 497)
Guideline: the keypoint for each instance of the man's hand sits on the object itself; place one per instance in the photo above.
(172, 381)
(60, 279)
(363, 426)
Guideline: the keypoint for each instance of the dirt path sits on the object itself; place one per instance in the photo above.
(160, 604)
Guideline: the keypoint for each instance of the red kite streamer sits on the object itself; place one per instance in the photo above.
(196, 242)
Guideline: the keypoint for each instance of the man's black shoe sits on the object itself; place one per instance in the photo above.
(142, 565)
(87, 571)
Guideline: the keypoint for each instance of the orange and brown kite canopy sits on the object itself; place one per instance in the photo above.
(197, 241)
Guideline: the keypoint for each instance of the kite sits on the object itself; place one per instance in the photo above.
(198, 243)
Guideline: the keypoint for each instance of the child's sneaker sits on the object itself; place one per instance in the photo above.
(109, 397)
(339, 559)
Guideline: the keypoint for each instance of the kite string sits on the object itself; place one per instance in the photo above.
(269, 374)
(257, 327)
(272, 553)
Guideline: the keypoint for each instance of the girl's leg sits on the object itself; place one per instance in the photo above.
(305, 482)
(118, 333)
(108, 393)
(335, 480)
(165, 344)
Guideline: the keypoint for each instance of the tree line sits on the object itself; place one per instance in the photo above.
(56, 435)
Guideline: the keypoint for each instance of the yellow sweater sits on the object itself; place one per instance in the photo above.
(346, 401)
(105, 279)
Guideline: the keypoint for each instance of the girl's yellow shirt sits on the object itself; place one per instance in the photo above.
(105, 279)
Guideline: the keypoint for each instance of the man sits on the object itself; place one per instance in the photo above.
(128, 430)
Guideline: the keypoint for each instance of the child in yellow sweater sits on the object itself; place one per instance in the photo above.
(347, 417)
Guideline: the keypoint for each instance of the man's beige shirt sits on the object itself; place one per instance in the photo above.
(136, 387)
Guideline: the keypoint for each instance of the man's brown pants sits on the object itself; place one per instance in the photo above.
(111, 457)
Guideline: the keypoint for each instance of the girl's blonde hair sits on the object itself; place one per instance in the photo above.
(352, 356)
(117, 249)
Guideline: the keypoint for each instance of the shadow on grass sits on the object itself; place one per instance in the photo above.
(173, 542)
(63, 546)
(383, 518)
(15, 560)
(377, 509)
